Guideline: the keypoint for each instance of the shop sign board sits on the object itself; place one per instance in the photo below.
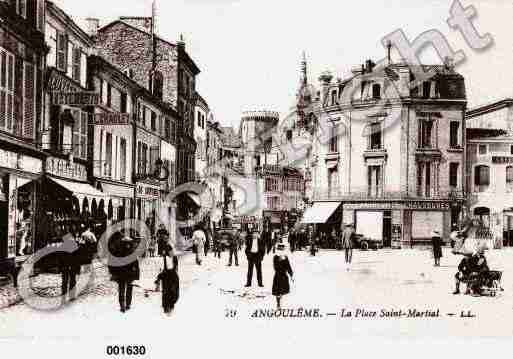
(111, 118)
(502, 160)
(82, 98)
(426, 205)
(64, 168)
(17, 161)
(147, 191)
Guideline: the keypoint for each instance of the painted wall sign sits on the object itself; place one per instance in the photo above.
(146, 191)
(75, 98)
(17, 161)
(443, 206)
(63, 168)
(111, 118)
(502, 160)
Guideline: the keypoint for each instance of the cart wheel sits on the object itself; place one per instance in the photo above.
(364, 245)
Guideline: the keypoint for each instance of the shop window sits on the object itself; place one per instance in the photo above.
(482, 214)
(481, 178)
(24, 215)
(454, 134)
(509, 179)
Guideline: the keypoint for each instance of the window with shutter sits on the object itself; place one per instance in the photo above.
(139, 158)
(40, 17)
(83, 134)
(122, 151)
(18, 97)
(6, 90)
(62, 51)
(21, 8)
(77, 57)
(30, 113)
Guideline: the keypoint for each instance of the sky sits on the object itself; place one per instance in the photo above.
(249, 51)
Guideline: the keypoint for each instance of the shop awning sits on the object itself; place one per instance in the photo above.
(320, 212)
(195, 198)
(117, 191)
(79, 189)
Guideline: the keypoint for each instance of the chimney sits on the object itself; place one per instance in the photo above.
(181, 42)
(369, 66)
(93, 24)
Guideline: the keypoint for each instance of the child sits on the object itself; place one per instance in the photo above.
(282, 270)
(170, 281)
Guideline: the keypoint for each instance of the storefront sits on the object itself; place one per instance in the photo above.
(120, 200)
(399, 223)
(19, 207)
(147, 203)
(69, 201)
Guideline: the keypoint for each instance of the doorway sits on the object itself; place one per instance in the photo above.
(387, 229)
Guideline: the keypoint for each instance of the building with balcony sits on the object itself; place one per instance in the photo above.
(389, 152)
(22, 59)
(490, 167)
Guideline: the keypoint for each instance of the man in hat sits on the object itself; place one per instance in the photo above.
(347, 242)
(436, 239)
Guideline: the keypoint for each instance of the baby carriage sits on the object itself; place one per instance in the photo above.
(486, 282)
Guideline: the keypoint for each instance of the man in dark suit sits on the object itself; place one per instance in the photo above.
(255, 251)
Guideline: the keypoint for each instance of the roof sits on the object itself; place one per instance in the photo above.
(490, 107)
(230, 138)
(69, 21)
(195, 68)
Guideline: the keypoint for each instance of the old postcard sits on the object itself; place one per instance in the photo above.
(242, 178)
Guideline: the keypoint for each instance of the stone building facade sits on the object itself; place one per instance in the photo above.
(389, 152)
(163, 68)
(489, 173)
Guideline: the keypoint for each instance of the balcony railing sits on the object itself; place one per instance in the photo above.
(366, 193)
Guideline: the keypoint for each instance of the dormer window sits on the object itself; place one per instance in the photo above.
(376, 91)
(334, 99)
(426, 89)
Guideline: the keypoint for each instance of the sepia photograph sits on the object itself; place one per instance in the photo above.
(252, 179)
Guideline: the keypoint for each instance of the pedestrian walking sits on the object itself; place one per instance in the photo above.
(233, 245)
(282, 271)
(198, 240)
(169, 280)
(348, 242)
(267, 238)
(255, 252)
(217, 245)
(124, 247)
(208, 244)
(285, 235)
(69, 265)
(89, 245)
(437, 242)
(312, 239)
(292, 240)
(162, 239)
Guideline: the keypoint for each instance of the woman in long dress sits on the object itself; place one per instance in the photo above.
(283, 269)
(169, 279)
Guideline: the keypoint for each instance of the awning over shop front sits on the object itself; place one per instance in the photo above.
(320, 212)
(195, 198)
(117, 191)
(79, 189)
